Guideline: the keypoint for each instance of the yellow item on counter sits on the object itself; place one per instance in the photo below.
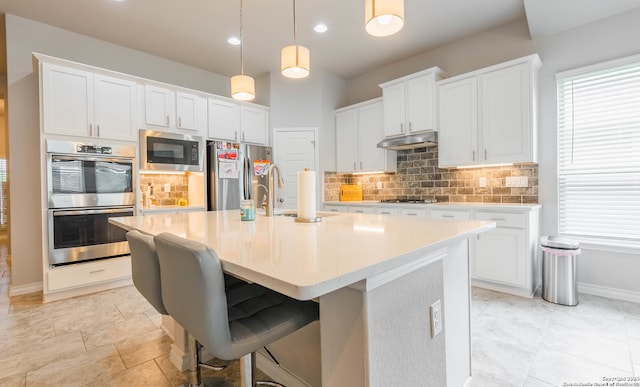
(350, 192)
(182, 202)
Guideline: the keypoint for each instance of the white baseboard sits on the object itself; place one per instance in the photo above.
(81, 291)
(603, 291)
(179, 358)
(20, 290)
(278, 374)
(502, 288)
(469, 382)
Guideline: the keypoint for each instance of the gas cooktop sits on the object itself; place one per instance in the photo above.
(408, 201)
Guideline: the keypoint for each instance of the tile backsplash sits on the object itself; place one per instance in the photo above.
(418, 177)
(178, 187)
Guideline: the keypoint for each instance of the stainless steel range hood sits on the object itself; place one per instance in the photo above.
(411, 141)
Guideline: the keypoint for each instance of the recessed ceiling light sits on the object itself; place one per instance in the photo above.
(234, 41)
(320, 28)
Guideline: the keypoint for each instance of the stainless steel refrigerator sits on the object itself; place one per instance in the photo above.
(236, 172)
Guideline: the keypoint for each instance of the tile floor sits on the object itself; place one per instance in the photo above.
(113, 338)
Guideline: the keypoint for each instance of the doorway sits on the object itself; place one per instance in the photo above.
(294, 149)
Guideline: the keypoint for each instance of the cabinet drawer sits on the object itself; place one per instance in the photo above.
(503, 219)
(362, 210)
(387, 211)
(448, 214)
(331, 208)
(88, 273)
(413, 212)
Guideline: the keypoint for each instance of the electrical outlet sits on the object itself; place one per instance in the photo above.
(167, 187)
(483, 182)
(379, 185)
(436, 318)
(517, 181)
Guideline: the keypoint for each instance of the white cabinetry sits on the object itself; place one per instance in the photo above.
(178, 111)
(79, 103)
(489, 116)
(231, 121)
(409, 103)
(358, 131)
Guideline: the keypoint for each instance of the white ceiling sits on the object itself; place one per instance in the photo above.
(194, 32)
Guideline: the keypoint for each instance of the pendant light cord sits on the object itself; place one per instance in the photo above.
(294, 23)
(241, 40)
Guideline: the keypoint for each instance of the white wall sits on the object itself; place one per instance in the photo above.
(608, 39)
(24, 37)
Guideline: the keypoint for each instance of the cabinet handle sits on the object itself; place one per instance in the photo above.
(167, 120)
(98, 130)
(354, 166)
(96, 271)
(473, 153)
(410, 128)
(242, 136)
(179, 122)
(91, 130)
(501, 219)
(361, 165)
(412, 214)
(485, 155)
(235, 135)
(401, 127)
(385, 212)
(447, 216)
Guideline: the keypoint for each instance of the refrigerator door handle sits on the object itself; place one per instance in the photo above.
(246, 175)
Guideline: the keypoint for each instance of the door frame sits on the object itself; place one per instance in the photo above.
(319, 172)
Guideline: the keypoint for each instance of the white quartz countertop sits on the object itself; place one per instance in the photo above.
(307, 260)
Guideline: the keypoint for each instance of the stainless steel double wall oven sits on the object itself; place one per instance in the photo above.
(87, 184)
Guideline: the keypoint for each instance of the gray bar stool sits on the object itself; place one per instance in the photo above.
(231, 323)
(145, 271)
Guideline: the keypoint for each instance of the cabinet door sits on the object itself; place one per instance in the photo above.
(419, 102)
(158, 106)
(115, 108)
(370, 133)
(346, 140)
(387, 211)
(393, 110)
(458, 123)
(191, 113)
(500, 257)
(506, 115)
(224, 120)
(254, 123)
(362, 210)
(67, 100)
(449, 214)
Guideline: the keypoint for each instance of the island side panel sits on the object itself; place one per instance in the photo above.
(456, 312)
(381, 336)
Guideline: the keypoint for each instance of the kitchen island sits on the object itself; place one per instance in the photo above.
(374, 276)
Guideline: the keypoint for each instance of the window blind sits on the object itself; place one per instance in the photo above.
(599, 152)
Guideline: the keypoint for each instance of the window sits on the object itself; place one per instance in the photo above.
(599, 153)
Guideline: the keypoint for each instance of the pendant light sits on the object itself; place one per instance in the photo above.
(242, 86)
(383, 17)
(295, 58)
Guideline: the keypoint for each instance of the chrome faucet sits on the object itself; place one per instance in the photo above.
(262, 203)
(271, 202)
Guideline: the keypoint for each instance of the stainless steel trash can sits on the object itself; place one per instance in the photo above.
(560, 270)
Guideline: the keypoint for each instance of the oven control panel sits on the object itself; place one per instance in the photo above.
(104, 150)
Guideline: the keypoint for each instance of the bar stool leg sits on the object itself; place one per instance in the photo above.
(194, 359)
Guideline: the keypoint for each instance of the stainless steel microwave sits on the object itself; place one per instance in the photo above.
(164, 151)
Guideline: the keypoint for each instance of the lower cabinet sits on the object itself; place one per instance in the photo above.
(500, 257)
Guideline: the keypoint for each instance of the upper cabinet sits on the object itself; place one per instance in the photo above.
(358, 131)
(241, 122)
(178, 111)
(409, 103)
(489, 116)
(80, 103)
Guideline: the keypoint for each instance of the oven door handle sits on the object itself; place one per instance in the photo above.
(124, 160)
(89, 212)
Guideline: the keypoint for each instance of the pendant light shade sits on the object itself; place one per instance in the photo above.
(295, 61)
(243, 88)
(383, 17)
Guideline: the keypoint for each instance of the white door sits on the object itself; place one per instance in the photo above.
(224, 120)
(191, 113)
(115, 108)
(458, 123)
(293, 151)
(67, 96)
